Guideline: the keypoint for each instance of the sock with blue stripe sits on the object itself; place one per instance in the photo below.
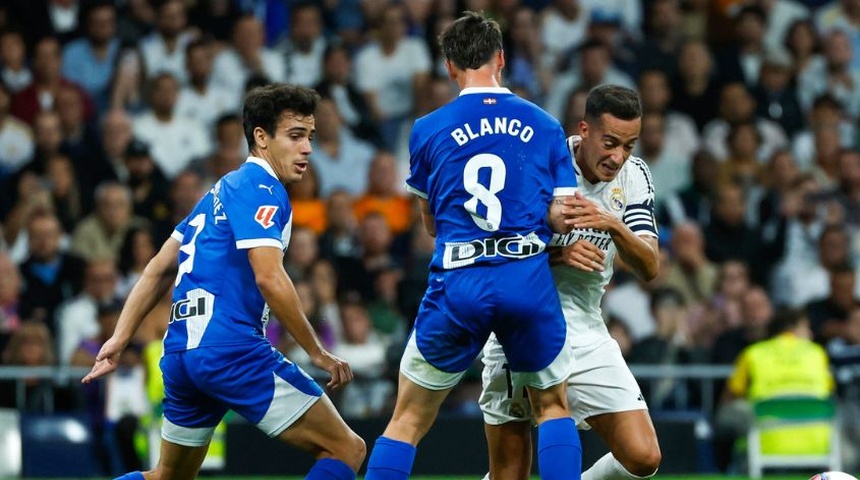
(559, 450)
(330, 469)
(390, 460)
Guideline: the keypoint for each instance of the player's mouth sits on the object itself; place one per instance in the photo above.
(608, 169)
(301, 166)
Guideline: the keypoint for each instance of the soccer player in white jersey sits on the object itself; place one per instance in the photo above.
(225, 262)
(616, 215)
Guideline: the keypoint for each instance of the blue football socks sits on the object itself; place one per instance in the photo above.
(131, 476)
(559, 450)
(390, 460)
(330, 469)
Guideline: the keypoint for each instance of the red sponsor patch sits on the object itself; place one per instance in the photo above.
(265, 214)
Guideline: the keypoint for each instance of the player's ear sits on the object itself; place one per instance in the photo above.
(261, 139)
(583, 129)
(452, 73)
(500, 58)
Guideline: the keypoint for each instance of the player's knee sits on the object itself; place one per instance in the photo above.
(352, 452)
(645, 462)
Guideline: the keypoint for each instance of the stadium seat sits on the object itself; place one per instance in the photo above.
(57, 446)
(793, 432)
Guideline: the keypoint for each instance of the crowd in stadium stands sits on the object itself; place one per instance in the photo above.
(115, 117)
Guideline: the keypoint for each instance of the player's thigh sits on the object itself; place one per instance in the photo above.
(510, 449)
(631, 438)
(177, 462)
(602, 383)
(322, 432)
(258, 383)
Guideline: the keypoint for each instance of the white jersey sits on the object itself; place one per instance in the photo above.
(630, 196)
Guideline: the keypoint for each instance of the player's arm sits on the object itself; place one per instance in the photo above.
(280, 294)
(153, 284)
(427, 217)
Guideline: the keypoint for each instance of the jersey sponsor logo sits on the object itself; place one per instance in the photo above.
(599, 238)
(616, 199)
(460, 254)
(197, 304)
(265, 214)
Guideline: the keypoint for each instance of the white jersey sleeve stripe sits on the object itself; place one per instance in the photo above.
(411, 189)
(259, 242)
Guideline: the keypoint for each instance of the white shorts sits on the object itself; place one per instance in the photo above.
(601, 382)
(416, 368)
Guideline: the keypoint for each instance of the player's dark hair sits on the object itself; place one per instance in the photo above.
(620, 102)
(471, 41)
(785, 319)
(264, 106)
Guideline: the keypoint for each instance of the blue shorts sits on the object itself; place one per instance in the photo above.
(255, 380)
(517, 300)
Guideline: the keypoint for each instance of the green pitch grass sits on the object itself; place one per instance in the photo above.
(658, 477)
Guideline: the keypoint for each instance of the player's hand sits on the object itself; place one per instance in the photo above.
(339, 370)
(586, 214)
(106, 360)
(583, 255)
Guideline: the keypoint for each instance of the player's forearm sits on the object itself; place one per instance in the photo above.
(636, 251)
(558, 213)
(281, 296)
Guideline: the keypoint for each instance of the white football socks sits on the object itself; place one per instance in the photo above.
(608, 468)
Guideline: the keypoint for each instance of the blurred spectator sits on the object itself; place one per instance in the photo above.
(756, 313)
(137, 250)
(32, 346)
(341, 159)
(360, 274)
(828, 316)
(337, 83)
(663, 37)
(775, 93)
(77, 318)
(592, 66)
(694, 19)
(164, 49)
(737, 105)
(741, 165)
(741, 60)
(780, 15)
(149, 188)
(108, 162)
(304, 48)
(628, 301)
(723, 310)
(50, 275)
(383, 195)
(301, 254)
(804, 44)
(729, 237)
(841, 15)
(16, 138)
(391, 71)
(10, 298)
(80, 137)
(827, 130)
(215, 17)
(185, 191)
(694, 202)
(174, 140)
(670, 170)
(247, 56)
(669, 345)
(100, 234)
(55, 18)
(695, 90)
(574, 110)
(31, 197)
(231, 149)
(788, 363)
(65, 191)
(14, 73)
(129, 82)
(619, 332)
(134, 21)
(810, 281)
(777, 201)
(47, 80)
(656, 96)
(563, 28)
(309, 210)
(847, 192)
(340, 238)
(359, 345)
(202, 99)
(90, 61)
(524, 55)
(834, 75)
(691, 274)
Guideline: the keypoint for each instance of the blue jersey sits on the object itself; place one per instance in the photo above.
(215, 299)
(489, 164)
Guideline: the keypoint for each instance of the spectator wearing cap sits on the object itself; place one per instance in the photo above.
(149, 187)
(776, 93)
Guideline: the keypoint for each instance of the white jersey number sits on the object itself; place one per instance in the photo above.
(485, 195)
(190, 248)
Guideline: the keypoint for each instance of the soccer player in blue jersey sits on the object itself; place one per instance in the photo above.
(230, 276)
(486, 168)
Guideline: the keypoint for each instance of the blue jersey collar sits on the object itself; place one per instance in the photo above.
(469, 90)
(259, 161)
